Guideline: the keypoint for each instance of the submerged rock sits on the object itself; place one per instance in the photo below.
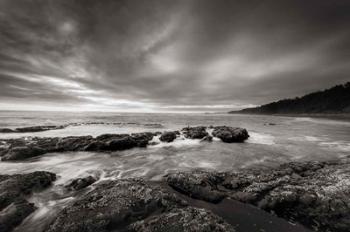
(198, 132)
(13, 190)
(314, 194)
(31, 129)
(80, 183)
(168, 136)
(187, 219)
(230, 134)
(113, 205)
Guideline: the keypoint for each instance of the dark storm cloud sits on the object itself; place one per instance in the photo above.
(169, 55)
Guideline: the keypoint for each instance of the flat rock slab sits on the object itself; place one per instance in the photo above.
(315, 194)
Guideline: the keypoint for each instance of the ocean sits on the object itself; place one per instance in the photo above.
(273, 140)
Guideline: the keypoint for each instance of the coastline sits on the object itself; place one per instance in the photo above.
(336, 116)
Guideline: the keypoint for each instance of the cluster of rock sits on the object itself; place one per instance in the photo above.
(14, 189)
(315, 194)
(31, 129)
(17, 149)
(134, 205)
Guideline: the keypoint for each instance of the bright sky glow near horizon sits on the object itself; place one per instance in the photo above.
(168, 55)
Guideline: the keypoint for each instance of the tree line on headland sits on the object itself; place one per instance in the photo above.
(335, 100)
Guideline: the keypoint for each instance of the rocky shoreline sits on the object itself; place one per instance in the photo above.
(23, 148)
(314, 194)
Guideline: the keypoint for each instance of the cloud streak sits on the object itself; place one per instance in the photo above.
(162, 55)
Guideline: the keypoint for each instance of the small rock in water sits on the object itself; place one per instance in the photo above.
(198, 132)
(230, 134)
(168, 136)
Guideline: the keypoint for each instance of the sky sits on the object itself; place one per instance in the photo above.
(168, 55)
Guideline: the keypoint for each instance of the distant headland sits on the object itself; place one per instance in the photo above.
(335, 100)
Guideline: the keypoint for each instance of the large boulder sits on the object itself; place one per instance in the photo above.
(315, 194)
(113, 205)
(187, 219)
(230, 134)
(198, 132)
(168, 136)
(13, 191)
(24, 152)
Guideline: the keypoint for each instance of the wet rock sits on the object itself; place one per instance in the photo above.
(207, 138)
(142, 139)
(198, 132)
(13, 189)
(31, 129)
(314, 194)
(81, 183)
(38, 128)
(113, 205)
(6, 130)
(187, 219)
(19, 149)
(230, 134)
(73, 143)
(168, 136)
(14, 214)
(198, 185)
(18, 153)
(121, 144)
(95, 146)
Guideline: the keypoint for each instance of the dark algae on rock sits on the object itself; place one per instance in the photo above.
(134, 205)
(315, 194)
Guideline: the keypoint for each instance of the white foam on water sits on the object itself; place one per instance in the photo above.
(321, 121)
(337, 145)
(312, 138)
(180, 141)
(261, 138)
